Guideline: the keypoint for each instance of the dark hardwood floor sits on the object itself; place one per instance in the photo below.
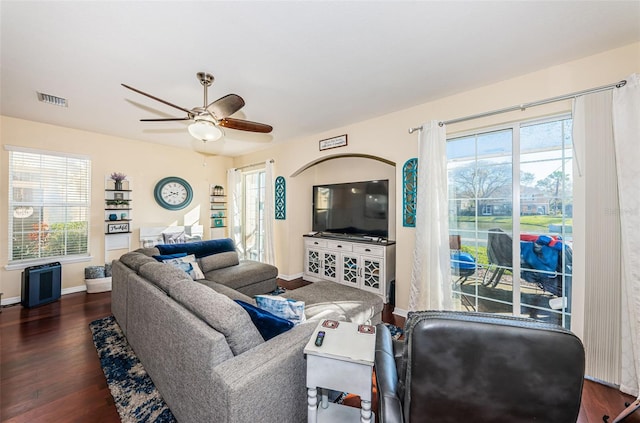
(49, 368)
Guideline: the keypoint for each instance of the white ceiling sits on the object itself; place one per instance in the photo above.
(302, 67)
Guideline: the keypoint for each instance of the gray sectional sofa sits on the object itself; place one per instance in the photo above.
(203, 352)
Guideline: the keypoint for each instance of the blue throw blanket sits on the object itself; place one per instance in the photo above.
(543, 256)
(199, 248)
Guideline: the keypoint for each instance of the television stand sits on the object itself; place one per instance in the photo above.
(361, 262)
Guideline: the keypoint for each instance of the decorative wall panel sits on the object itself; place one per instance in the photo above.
(280, 198)
(409, 191)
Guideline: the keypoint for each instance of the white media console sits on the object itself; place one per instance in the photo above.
(361, 263)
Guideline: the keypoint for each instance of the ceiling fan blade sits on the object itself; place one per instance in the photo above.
(245, 125)
(189, 112)
(225, 106)
(164, 119)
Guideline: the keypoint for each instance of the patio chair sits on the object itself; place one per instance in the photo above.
(544, 260)
(459, 367)
(500, 255)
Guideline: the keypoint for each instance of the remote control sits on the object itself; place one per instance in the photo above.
(319, 338)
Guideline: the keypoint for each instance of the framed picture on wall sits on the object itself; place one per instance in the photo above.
(335, 142)
(117, 228)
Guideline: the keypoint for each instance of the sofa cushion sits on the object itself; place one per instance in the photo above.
(225, 290)
(219, 261)
(330, 300)
(269, 325)
(221, 313)
(199, 248)
(135, 260)
(151, 251)
(247, 272)
(163, 275)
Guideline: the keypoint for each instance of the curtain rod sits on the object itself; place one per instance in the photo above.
(523, 107)
(255, 164)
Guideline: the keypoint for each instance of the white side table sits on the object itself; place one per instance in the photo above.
(343, 363)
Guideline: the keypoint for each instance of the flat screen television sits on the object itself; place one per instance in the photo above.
(353, 208)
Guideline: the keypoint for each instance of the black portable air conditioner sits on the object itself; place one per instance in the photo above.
(41, 284)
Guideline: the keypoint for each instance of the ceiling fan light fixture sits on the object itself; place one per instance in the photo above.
(204, 130)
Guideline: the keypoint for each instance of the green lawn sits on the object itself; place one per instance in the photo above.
(529, 224)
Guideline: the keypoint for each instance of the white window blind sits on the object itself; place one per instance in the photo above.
(49, 205)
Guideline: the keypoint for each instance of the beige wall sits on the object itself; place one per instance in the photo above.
(386, 137)
(143, 163)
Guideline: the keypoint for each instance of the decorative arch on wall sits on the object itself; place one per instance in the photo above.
(340, 156)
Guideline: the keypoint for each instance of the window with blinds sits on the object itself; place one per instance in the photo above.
(49, 205)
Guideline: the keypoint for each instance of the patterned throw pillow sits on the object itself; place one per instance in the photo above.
(282, 307)
(188, 264)
(174, 237)
(163, 257)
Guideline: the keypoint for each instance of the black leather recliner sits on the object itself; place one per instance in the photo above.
(478, 367)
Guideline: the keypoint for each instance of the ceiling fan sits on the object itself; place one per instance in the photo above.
(210, 118)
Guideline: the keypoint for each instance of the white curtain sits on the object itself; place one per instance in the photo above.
(234, 184)
(431, 274)
(626, 130)
(269, 215)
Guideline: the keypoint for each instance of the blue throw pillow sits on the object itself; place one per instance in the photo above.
(268, 325)
(199, 248)
(162, 257)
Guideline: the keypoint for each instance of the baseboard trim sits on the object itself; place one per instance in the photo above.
(63, 291)
(400, 312)
(10, 301)
(74, 289)
(290, 277)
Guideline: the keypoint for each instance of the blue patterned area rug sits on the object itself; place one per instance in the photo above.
(278, 291)
(396, 332)
(136, 398)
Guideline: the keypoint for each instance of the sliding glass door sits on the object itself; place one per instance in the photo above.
(510, 201)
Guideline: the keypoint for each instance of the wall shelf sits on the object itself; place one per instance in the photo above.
(117, 203)
(218, 214)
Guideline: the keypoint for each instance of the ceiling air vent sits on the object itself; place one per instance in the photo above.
(52, 99)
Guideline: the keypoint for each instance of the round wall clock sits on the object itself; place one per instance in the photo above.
(173, 193)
